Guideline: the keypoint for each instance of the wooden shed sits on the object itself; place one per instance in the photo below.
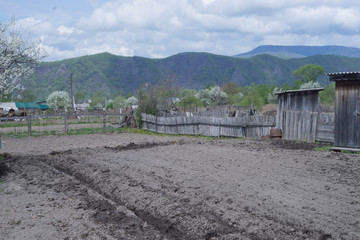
(347, 110)
(297, 113)
(304, 100)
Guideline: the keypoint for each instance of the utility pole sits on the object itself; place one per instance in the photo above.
(71, 93)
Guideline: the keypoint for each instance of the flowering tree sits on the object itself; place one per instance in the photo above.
(217, 97)
(132, 101)
(58, 100)
(17, 57)
(310, 85)
(204, 96)
(272, 97)
(213, 96)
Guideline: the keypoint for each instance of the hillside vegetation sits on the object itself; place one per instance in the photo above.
(116, 74)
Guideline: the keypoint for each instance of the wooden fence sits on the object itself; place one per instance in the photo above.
(250, 127)
(297, 125)
(309, 126)
(326, 127)
(59, 123)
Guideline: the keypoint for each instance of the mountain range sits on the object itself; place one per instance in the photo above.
(115, 74)
(287, 52)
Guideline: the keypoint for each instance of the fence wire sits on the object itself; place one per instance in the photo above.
(58, 123)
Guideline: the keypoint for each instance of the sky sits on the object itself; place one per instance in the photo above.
(161, 28)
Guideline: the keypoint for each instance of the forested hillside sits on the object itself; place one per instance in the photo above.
(115, 74)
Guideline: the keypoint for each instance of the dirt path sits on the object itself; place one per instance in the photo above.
(104, 187)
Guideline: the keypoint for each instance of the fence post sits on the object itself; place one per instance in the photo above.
(29, 123)
(65, 121)
(156, 125)
(219, 130)
(104, 118)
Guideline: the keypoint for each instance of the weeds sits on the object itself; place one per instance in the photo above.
(323, 149)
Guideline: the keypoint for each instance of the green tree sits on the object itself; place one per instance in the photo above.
(80, 97)
(98, 100)
(231, 88)
(252, 95)
(119, 102)
(327, 97)
(308, 73)
(148, 101)
(26, 96)
(189, 96)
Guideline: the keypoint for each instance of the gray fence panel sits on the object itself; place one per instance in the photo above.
(250, 127)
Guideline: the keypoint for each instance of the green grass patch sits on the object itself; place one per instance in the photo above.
(323, 148)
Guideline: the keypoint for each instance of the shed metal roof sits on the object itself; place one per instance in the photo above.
(344, 76)
(300, 90)
(341, 73)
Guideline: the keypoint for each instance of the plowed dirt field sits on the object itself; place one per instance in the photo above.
(132, 186)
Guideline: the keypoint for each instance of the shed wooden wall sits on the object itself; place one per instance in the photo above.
(347, 121)
(307, 101)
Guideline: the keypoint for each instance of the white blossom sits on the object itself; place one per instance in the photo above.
(58, 100)
(310, 85)
(272, 97)
(204, 96)
(132, 101)
(17, 57)
(213, 96)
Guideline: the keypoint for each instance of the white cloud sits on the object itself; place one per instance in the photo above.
(67, 30)
(159, 28)
(35, 26)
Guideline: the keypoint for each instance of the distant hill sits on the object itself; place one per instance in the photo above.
(287, 52)
(114, 74)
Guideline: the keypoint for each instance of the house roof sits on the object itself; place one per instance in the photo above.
(31, 106)
(8, 105)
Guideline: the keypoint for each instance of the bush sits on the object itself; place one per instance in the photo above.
(148, 101)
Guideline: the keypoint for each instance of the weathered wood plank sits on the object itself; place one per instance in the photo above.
(257, 126)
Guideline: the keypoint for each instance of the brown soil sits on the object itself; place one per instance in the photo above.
(130, 186)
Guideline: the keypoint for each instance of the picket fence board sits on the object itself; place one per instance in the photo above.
(300, 125)
(250, 127)
(326, 127)
(297, 125)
